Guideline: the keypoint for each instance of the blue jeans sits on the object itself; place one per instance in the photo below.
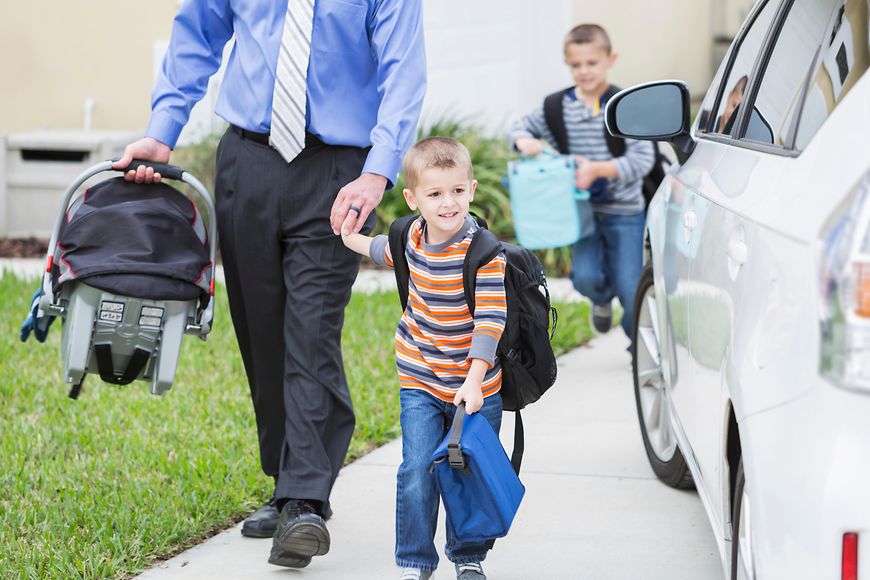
(608, 262)
(425, 422)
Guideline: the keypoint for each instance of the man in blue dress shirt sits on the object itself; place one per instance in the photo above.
(279, 208)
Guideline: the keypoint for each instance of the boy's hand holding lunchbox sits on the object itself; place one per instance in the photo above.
(471, 391)
(586, 172)
(529, 146)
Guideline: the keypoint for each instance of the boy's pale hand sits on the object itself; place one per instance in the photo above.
(148, 149)
(587, 172)
(470, 393)
(347, 226)
(529, 147)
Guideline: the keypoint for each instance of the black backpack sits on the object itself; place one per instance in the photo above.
(528, 364)
(555, 119)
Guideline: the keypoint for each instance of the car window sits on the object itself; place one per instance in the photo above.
(703, 119)
(843, 58)
(738, 76)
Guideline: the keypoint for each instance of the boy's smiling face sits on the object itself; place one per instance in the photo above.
(443, 197)
(589, 63)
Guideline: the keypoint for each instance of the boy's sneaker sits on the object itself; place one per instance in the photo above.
(602, 317)
(415, 574)
(470, 571)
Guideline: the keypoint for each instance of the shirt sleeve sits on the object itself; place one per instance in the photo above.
(380, 251)
(534, 126)
(397, 44)
(637, 161)
(199, 33)
(490, 310)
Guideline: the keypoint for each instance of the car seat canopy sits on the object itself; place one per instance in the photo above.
(140, 240)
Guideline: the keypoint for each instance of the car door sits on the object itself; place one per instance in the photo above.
(715, 241)
(729, 267)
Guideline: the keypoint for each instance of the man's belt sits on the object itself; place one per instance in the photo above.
(261, 138)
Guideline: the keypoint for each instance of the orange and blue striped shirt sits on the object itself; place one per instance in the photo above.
(437, 336)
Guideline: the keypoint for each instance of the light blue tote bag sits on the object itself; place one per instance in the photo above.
(548, 212)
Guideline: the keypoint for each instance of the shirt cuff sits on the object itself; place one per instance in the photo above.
(164, 128)
(384, 162)
(377, 250)
(483, 347)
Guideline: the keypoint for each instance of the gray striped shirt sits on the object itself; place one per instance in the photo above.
(586, 138)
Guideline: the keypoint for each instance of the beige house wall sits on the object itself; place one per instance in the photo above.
(55, 54)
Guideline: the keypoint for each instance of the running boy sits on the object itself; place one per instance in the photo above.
(444, 355)
(608, 262)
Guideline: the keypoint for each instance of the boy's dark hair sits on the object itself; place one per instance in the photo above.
(589, 33)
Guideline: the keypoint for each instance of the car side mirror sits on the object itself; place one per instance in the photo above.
(657, 111)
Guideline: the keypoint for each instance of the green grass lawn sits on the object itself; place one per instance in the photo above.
(103, 486)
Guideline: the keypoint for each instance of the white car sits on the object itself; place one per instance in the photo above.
(752, 316)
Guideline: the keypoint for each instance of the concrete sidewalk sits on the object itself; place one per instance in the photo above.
(593, 508)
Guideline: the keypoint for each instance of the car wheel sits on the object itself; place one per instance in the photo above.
(653, 404)
(742, 564)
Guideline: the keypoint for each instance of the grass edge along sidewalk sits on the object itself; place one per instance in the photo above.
(105, 486)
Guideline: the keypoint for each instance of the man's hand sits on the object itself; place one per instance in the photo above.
(363, 194)
(529, 147)
(148, 149)
(587, 172)
(471, 393)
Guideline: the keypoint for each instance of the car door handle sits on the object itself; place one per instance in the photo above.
(737, 251)
(690, 220)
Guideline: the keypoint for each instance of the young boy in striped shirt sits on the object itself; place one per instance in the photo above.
(444, 355)
(608, 262)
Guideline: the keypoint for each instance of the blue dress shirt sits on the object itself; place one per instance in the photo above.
(366, 73)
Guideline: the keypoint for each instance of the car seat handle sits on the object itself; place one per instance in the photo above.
(164, 169)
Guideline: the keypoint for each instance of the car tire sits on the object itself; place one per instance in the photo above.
(742, 566)
(659, 441)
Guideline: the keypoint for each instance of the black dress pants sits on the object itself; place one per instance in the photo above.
(288, 281)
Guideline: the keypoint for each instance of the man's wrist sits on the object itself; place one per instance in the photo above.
(380, 178)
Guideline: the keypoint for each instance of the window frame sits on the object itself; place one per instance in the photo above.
(768, 43)
(730, 57)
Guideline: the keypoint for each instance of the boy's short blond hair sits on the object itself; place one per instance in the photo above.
(589, 33)
(440, 152)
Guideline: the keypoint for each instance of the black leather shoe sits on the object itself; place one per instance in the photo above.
(301, 530)
(263, 522)
(279, 557)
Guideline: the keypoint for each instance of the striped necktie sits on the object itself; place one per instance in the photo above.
(288, 99)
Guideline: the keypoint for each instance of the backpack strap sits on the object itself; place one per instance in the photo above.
(519, 443)
(616, 145)
(484, 246)
(554, 116)
(398, 240)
